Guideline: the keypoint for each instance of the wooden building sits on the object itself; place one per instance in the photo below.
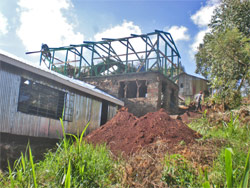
(32, 99)
(190, 85)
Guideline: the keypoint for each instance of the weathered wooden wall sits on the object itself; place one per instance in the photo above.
(191, 85)
(112, 109)
(86, 108)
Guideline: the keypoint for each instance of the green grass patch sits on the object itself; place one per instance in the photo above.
(227, 170)
(180, 172)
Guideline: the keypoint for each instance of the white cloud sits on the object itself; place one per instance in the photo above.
(198, 40)
(202, 18)
(3, 24)
(178, 33)
(124, 30)
(42, 21)
(119, 31)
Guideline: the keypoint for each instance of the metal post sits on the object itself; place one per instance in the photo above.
(166, 54)
(158, 55)
(65, 65)
(92, 60)
(41, 57)
(126, 67)
(145, 60)
(172, 66)
(80, 64)
(178, 68)
(52, 62)
(109, 56)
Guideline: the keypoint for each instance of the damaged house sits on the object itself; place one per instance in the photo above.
(141, 92)
(141, 69)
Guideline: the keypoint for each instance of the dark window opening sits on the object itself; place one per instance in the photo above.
(172, 99)
(132, 89)
(121, 90)
(143, 89)
(181, 85)
(104, 114)
(40, 100)
(163, 96)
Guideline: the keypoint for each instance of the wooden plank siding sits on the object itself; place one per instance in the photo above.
(112, 109)
(85, 108)
(191, 85)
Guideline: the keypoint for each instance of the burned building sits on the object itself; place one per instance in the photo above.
(33, 99)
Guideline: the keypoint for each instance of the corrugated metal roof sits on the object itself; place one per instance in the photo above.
(70, 82)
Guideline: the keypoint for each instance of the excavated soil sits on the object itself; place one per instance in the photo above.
(126, 134)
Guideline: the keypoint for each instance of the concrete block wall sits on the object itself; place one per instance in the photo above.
(154, 99)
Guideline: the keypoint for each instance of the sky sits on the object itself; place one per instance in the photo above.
(26, 24)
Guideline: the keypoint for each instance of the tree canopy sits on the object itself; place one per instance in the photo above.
(224, 56)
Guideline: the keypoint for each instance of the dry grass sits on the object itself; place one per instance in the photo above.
(144, 168)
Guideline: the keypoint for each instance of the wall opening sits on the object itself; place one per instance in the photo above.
(143, 89)
(104, 114)
(132, 89)
(163, 95)
(172, 99)
(121, 90)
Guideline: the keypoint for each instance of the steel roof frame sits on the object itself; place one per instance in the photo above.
(162, 58)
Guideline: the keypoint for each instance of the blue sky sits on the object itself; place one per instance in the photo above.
(26, 24)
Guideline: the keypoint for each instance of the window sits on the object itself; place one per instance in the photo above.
(181, 85)
(131, 90)
(142, 88)
(41, 100)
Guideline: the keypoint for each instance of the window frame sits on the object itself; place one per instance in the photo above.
(44, 101)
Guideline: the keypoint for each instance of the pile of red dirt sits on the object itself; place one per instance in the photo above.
(126, 133)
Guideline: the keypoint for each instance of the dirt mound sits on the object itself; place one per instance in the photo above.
(127, 133)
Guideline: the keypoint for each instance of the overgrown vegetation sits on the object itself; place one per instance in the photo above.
(225, 170)
(235, 136)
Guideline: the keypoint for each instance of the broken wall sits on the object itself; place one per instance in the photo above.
(142, 92)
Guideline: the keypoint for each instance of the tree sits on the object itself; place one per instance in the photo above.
(232, 14)
(224, 56)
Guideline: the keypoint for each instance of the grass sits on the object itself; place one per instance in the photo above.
(76, 163)
(73, 164)
(179, 172)
(227, 171)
